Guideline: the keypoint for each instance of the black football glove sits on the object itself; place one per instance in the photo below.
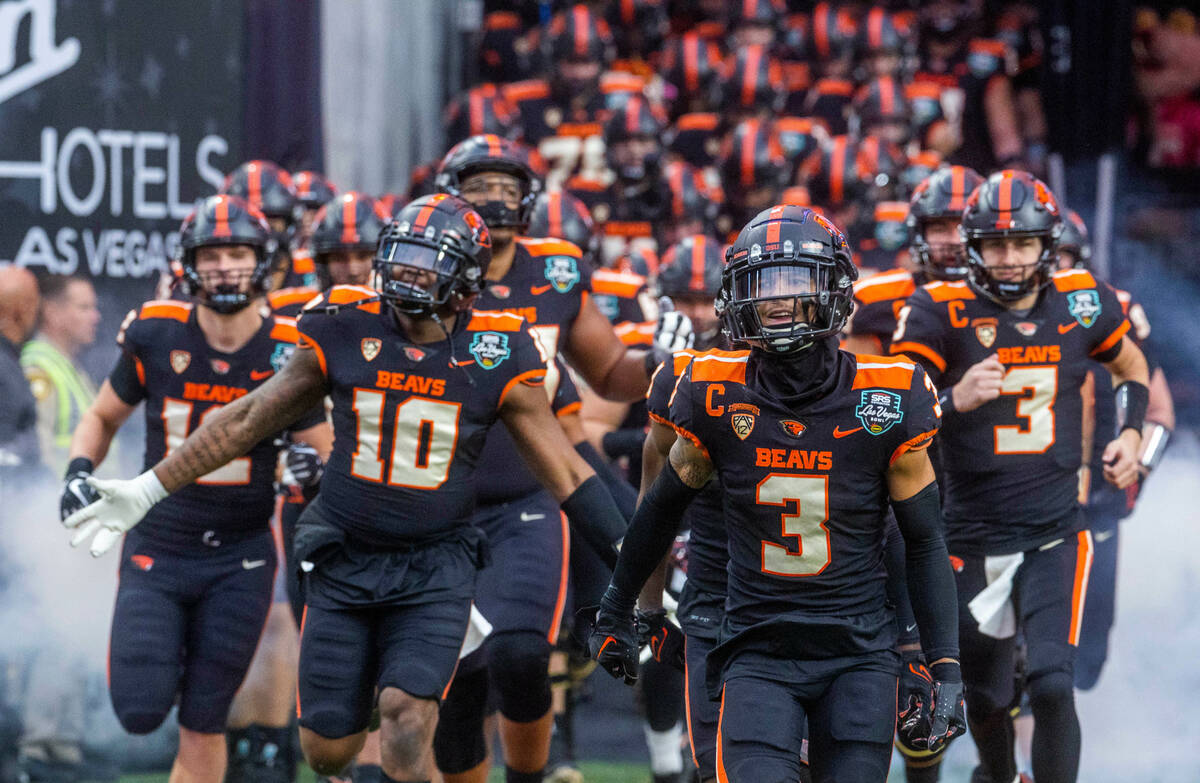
(914, 698)
(77, 493)
(948, 716)
(613, 641)
(663, 636)
(304, 464)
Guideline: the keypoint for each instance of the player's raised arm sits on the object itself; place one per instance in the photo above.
(225, 435)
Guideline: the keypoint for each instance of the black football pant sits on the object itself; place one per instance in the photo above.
(1048, 595)
(1101, 604)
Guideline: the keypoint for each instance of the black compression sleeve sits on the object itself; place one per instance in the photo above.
(650, 534)
(930, 579)
(624, 442)
(894, 554)
(623, 493)
(595, 518)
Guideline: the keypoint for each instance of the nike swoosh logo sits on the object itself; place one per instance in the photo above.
(1064, 328)
(538, 290)
(908, 628)
(531, 517)
(258, 375)
(838, 432)
(250, 565)
(607, 641)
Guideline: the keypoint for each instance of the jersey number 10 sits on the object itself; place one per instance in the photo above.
(425, 435)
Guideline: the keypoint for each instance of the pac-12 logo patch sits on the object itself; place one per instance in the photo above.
(743, 424)
(1084, 306)
(490, 349)
(370, 347)
(562, 272)
(878, 410)
(180, 361)
(985, 331)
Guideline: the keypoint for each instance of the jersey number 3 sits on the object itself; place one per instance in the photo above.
(811, 496)
(423, 445)
(1036, 388)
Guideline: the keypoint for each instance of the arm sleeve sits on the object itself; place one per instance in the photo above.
(622, 491)
(593, 515)
(920, 334)
(930, 580)
(651, 533)
(894, 554)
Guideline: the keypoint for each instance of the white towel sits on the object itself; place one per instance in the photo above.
(992, 606)
(477, 630)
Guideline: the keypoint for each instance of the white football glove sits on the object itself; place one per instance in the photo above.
(122, 505)
(674, 331)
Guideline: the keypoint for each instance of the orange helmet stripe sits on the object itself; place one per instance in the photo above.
(349, 219)
(222, 216)
(1004, 202)
(254, 181)
(699, 245)
(958, 186)
(580, 12)
(837, 162)
(750, 77)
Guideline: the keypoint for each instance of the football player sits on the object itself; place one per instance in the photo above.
(197, 576)
(390, 556)
(808, 443)
(268, 188)
(936, 252)
(524, 591)
(1010, 347)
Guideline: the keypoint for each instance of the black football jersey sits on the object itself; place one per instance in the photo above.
(707, 551)
(805, 489)
(168, 363)
(877, 303)
(1010, 467)
(409, 420)
(627, 225)
(546, 285)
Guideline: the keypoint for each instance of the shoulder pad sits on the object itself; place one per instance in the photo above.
(622, 284)
(284, 329)
(290, 296)
(165, 308)
(703, 121)
(549, 247)
(944, 291)
(1073, 280)
(887, 372)
(344, 295)
(533, 89)
(885, 286)
(717, 365)
(495, 321)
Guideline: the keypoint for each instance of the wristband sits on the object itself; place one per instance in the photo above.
(946, 671)
(1132, 399)
(1155, 445)
(946, 400)
(80, 465)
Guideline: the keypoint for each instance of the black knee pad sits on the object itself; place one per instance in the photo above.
(137, 721)
(518, 668)
(458, 743)
(1052, 689)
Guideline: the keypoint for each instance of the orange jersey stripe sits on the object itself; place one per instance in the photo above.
(290, 296)
(945, 292)
(163, 308)
(549, 247)
(304, 341)
(885, 287)
(529, 378)
(560, 601)
(284, 329)
(1074, 280)
(712, 366)
(1113, 338)
(882, 374)
(919, 349)
(921, 441)
(701, 121)
(491, 320)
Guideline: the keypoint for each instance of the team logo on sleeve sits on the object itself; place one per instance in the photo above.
(490, 349)
(878, 410)
(180, 361)
(281, 354)
(562, 272)
(1084, 306)
(370, 347)
(985, 331)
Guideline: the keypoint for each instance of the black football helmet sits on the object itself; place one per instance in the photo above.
(266, 187)
(481, 109)
(1011, 203)
(637, 119)
(438, 235)
(352, 221)
(693, 200)
(752, 84)
(691, 267)
(492, 153)
(313, 189)
(835, 174)
(692, 65)
(560, 215)
(793, 256)
(941, 196)
(225, 220)
(1075, 241)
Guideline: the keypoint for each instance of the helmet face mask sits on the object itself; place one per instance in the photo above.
(1011, 205)
(432, 257)
(222, 288)
(788, 281)
(934, 213)
(225, 221)
(489, 154)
